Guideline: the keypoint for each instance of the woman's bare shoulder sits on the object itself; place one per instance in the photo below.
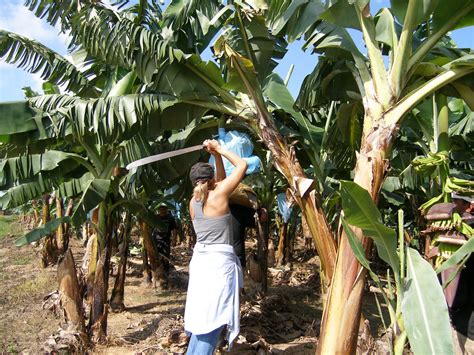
(217, 202)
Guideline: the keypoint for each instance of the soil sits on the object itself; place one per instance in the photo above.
(286, 321)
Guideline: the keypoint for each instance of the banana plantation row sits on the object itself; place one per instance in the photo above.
(368, 135)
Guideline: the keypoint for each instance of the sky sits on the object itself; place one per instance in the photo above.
(16, 18)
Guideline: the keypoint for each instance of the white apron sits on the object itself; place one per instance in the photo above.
(215, 279)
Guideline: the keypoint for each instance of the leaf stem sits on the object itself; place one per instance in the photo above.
(399, 67)
(432, 40)
(398, 111)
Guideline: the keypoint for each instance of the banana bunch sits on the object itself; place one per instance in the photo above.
(454, 223)
(442, 225)
(427, 164)
(456, 220)
(452, 184)
(446, 250)
(461, 186)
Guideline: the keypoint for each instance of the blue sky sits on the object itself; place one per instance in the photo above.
(16, 18)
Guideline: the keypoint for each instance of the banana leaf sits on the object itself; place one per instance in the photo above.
(424, 309)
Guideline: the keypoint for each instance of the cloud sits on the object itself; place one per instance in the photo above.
(17, 18)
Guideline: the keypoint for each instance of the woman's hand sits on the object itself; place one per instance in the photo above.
(212, 146)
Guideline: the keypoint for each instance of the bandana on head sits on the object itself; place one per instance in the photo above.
(201, 172)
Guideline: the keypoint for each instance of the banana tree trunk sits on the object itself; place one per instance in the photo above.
(271, 253)
(85, 234)
(146, 264)
(262, 245)
(150, 251)
(290, 240)
(34, 205)
(89, 264)
(49, 253)
(306, 234)
(282, 244)
(99, 307)
(179, 234)
(285, 161)
(341, 316)
(70, 296)
(304, 194)
(117, 298)
(61, 238)
(66, 226)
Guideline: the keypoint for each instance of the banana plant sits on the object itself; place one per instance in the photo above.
(76, 124)
(424, 321)
(388, 92)
(108, 129)
(246, 51)
(97, 170)
(410, 188)
(174, 76)
(194, 82)
(179, 73)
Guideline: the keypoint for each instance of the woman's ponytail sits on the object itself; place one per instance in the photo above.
(201, 191)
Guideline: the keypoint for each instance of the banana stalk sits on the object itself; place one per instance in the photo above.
(60, 234)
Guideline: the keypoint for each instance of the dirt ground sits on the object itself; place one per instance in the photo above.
(286, 321)
(23, 284)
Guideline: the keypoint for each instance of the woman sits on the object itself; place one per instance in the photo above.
(215, 275)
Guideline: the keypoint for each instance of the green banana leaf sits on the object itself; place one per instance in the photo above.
(385, 28)
(422, 13)
(94, 193)
(37, 58)
(16, 117)
(424, 309)
(293, 18)
(25, 166)
(251, 39)
(38, 233)
(342, 13)
(22, 194)
(194, 23)
(277, 92)
(356, 246)
(360, 211)
(446, 10)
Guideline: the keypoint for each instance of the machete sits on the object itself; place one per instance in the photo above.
(162, 156)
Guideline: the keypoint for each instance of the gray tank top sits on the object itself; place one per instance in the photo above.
(211, 230)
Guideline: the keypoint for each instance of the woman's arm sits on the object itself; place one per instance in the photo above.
(220, 171)
(228, 185)
(211, 145)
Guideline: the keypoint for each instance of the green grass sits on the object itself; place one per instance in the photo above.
(39, 285)
(12, 348)
(9, 225)
(21, 260)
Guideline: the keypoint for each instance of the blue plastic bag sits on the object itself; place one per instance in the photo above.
(240, 144)
(284, 208)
